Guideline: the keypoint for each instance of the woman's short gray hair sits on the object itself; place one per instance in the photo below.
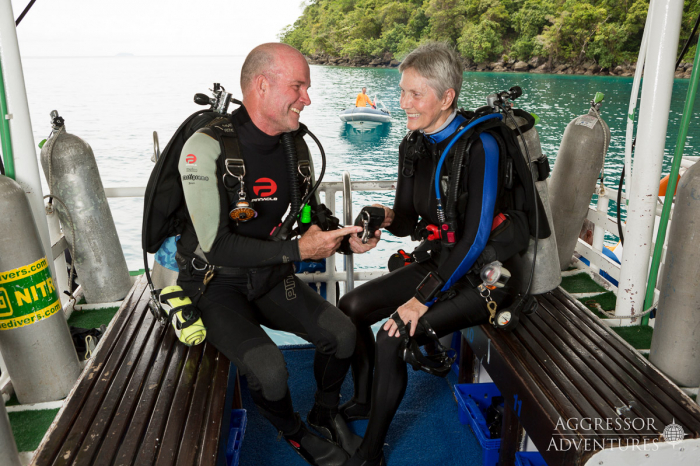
(440, 64)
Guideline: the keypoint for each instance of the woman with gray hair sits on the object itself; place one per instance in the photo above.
(431, 293)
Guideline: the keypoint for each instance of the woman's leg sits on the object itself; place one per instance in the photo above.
(366, 305)
(466, 309)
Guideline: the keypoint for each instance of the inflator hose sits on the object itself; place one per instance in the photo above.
(289, 147)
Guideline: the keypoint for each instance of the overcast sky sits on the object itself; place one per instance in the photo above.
(151, 27)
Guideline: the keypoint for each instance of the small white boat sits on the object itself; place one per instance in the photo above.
(366, 118)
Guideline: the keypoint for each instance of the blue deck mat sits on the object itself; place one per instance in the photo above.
(425, 432)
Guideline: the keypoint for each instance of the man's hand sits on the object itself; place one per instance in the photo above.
(356, 243)
(317, 244)
(388, 215)
(409, 313)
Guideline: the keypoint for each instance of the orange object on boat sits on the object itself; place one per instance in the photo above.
(663, 185)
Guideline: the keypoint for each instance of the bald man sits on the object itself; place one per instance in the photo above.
(253, 280)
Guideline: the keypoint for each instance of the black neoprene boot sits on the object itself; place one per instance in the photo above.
(329, 423)
(357, 460)
(315, 450)
(354, 411)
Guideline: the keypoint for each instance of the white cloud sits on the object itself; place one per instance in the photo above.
(150, 27)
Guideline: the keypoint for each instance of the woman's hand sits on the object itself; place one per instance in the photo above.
(409, 313)
(356, 243)
(388, 215)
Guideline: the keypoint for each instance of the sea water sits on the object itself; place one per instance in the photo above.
(115, 104)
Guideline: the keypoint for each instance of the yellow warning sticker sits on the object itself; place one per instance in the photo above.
(27, 295)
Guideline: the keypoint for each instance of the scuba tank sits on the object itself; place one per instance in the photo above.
(546, 272)
(35, 342)
(579, 162)
(74, 182)
(675, 344)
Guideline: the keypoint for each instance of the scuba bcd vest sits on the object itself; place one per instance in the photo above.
(165, 212)
(514, 209)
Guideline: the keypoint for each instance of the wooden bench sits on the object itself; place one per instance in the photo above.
(144, 399)
(563, 364)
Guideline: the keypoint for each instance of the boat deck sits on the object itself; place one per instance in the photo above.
(30, 423)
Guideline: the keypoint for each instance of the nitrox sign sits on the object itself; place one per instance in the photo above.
(27, 295)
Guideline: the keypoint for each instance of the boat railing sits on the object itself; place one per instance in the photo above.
(607, 224)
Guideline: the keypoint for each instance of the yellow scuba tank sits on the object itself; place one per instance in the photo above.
(183, 315)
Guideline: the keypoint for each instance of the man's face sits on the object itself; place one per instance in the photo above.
(287, 92)
(364, 90)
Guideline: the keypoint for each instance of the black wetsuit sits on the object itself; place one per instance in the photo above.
(231, 314)
(379, 298)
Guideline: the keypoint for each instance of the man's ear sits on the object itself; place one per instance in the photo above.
(261, 85)
(447, 98)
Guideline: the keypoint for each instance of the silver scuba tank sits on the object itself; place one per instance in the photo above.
(675, 345)
(547, 276)
(71, 171)
(35, 342)
(577, 166)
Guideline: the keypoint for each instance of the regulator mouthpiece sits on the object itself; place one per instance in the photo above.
(495, 275)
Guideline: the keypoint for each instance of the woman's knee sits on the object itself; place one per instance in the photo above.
(355, 306)
(387, 343)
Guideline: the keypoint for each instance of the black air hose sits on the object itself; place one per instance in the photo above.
(619, 202)
(460, 151)
(290, 152)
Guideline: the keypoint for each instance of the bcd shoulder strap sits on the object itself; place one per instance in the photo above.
(231, 161)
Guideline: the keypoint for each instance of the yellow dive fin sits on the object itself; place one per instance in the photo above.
(183, 315)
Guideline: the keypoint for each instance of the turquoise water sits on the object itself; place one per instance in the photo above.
(115, 103)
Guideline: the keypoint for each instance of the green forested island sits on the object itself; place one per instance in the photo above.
(572, 36)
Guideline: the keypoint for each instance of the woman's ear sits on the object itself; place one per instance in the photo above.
(447, 98)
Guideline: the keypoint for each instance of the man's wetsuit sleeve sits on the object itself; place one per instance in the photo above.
(207, 209)
(405, 215)
(478, 218)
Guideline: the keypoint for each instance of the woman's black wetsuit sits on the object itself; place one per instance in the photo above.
(379, 298)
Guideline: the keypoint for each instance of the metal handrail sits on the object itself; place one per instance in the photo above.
(328, 189)
(347, 213)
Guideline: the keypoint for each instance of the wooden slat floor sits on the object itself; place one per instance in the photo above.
(563, 363)
(144, 399)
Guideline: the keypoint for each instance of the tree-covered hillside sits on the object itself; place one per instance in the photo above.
(607, 32)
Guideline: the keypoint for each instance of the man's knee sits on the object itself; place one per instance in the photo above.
(340, 328)
(266, 371)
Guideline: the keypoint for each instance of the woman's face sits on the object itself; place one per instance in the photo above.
(424, 109)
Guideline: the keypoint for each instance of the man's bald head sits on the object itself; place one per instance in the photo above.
(275, 80)
(265, 59)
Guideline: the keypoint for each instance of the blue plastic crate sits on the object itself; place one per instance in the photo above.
(529, 458)
(239, 419)
(473, 399)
